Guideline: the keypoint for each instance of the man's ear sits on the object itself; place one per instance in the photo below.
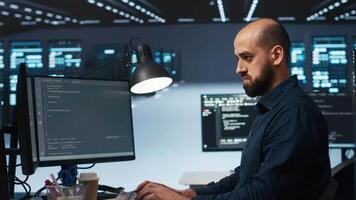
(277, 54)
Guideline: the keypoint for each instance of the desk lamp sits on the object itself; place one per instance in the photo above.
(148, 76)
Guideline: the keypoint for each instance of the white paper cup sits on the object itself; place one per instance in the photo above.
(91, 180)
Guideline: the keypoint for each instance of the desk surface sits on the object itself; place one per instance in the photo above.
(202, 177)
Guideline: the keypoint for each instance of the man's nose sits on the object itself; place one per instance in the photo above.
(240, 69)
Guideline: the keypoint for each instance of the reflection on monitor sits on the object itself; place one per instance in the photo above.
(82, 120)
(64, 57)
(297, 59)
(338, 111)
(329, 64)
(226, 120)
(29, 52)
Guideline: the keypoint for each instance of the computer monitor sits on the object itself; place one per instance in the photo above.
(329, 64)
(338, 111)
(2, 67)
(103, 54)
(2, 82)
(170, 61)
(354, 64)
(64, 57)
(297, 62)
(29, 52)
(226, 121)
(82, 120)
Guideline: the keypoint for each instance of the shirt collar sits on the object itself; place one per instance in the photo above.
(275, 96)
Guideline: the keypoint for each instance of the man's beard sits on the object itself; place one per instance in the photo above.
(261, 85)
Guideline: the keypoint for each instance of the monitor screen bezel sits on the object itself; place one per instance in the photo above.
(22, 123)
(46, 163)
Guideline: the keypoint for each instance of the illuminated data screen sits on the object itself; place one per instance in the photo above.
(354, 63)
(103, 54)
(226, 121)
(64, 57)
(134, 60)
(329, 64)
(170, 61)
(29, 52)
(297, 59)
(2, 67)
(338, 111)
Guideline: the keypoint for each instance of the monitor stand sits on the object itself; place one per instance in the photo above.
(68, 175)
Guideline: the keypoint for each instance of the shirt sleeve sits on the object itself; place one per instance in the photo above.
(226, 184)
(288, 149)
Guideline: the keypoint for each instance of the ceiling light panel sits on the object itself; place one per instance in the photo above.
(145, 11)
(185, 20)
(349, 15)
(252, 9)
(14, 6)
(111, 9)
(121, 21)
(29, 10)
(320, 13)
(289, 18)
(221, 10)
(5, 13)
(32, 13)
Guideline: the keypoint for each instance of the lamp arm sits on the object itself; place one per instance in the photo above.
(101, 67)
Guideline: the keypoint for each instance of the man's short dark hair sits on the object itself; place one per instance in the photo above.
(275, 34)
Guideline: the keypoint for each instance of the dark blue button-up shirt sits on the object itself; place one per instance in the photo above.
(286, 155)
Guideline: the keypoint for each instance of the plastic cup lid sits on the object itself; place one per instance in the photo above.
(88, 176)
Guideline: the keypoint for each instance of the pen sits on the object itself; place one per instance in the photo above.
(57, 185)
(54, 180)
(52, 190)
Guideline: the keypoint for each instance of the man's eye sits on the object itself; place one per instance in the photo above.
(248, 58)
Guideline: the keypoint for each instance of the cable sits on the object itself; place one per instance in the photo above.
(42, 188)
(88, 167)
(17, 165)
(24, 185)
(39, 191)
(24, 181)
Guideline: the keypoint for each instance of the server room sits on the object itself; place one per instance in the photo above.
(178, 100)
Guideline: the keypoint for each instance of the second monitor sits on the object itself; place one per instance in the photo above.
(226, 121)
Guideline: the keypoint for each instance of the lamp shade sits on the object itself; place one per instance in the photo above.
(148, 76)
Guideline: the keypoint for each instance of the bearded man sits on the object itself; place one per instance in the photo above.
(286, 154)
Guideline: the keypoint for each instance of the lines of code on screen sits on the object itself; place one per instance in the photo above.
(338, 112)
(82, 119)
(226, 120)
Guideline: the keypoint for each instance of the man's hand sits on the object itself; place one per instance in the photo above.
(156, 191)
(190, 193)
